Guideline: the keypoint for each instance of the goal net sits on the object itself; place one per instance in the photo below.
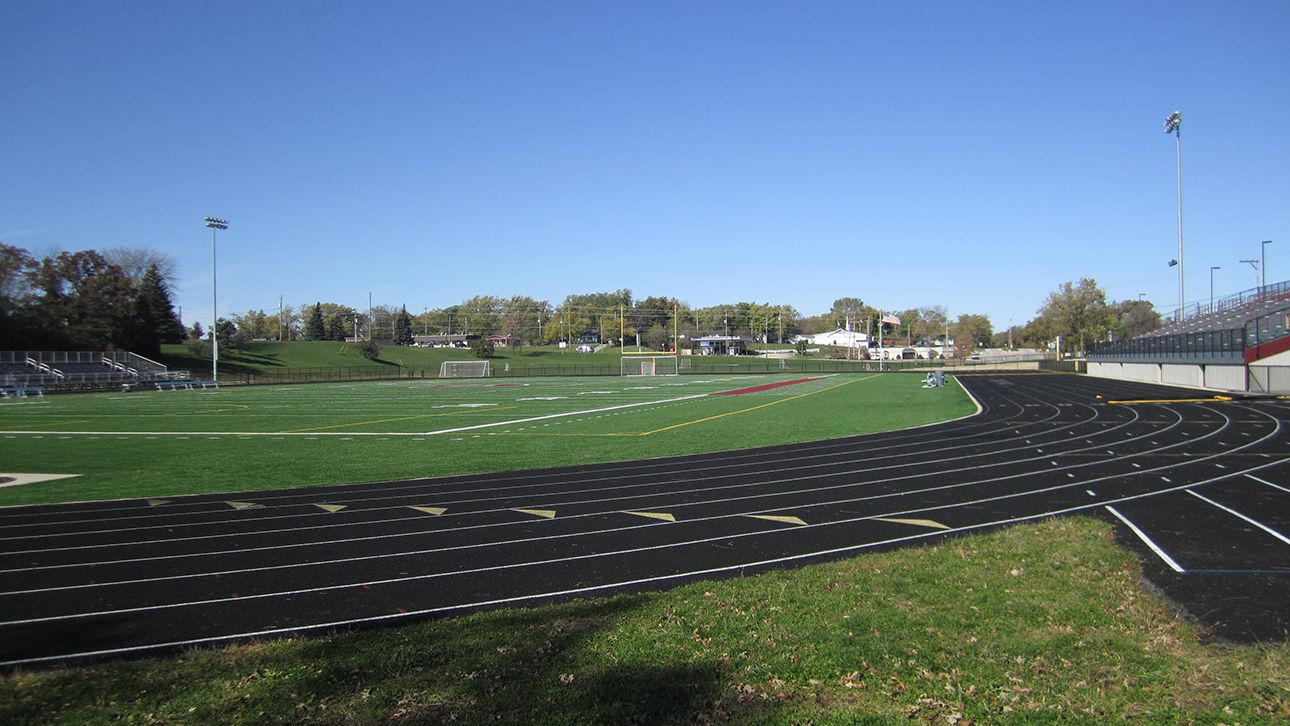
(648, 365)
(464, 369)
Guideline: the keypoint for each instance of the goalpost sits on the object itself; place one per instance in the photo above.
(464, 369)
(648, 365)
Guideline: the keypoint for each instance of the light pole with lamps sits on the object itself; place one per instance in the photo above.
(1173, 125)
(214, 223)
(1211, 287)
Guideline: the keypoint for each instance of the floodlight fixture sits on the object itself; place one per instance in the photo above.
(216, 223)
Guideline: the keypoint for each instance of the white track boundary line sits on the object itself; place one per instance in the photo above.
(1265, 481)
(1147, 540)
(1235, 513)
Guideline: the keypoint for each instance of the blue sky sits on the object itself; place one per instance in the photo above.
(971, 155)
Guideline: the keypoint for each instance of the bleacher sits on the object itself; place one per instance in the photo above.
(31, 371)
(1220, 333)
(1234, 311)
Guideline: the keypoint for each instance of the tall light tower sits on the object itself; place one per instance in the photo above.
(215, 223)
(1173, 125)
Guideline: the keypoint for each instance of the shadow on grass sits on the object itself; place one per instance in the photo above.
(511, 666)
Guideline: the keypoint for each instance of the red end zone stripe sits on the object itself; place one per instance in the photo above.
(767, 387)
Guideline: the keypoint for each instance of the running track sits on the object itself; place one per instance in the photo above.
(1200, 489)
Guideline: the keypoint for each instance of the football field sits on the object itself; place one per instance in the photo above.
(151, 443)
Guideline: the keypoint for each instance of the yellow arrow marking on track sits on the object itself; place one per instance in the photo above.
(333, 508)
(548, 513)
(915, 522)
(776, 518)
(654, 515)
(436, 511)
(244, 505)
(157, 502)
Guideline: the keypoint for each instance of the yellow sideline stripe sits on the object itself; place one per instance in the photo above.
(390, 420)
(754, 408)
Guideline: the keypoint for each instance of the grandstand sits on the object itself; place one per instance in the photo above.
(1240, 344)
(80, 370)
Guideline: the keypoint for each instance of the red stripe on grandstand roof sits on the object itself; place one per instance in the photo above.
(766, 387)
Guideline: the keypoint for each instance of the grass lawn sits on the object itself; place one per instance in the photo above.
(1034, 624)
(150, 443)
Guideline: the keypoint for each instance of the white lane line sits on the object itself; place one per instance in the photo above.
(1235, 513)
(560, 415)
(1265, 481)
(1147, 540)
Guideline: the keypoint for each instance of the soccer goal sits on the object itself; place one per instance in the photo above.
(464, 369)
(648, 365)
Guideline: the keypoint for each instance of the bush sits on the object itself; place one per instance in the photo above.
(482, 348)
(199, 348)
(368, 349)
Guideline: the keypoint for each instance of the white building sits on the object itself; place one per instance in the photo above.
(839, 337)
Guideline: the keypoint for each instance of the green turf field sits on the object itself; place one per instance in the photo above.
(151, 443)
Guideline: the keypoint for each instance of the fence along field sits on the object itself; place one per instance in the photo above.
(241, 438)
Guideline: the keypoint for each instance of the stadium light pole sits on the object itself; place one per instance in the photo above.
(215, 223)
(1263, 263)
(1211, 286)
(1173, 125)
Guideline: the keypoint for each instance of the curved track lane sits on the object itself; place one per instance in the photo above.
(105, 579)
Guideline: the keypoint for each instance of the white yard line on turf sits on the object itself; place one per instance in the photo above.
(560, 415)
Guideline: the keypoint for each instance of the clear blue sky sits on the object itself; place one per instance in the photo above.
(972, 155)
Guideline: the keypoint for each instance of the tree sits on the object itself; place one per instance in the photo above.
(16, 267)
(338, 330)
(83, 301)
(154, 315)
(1134, 318)
(1078, 313)
(974, 330)
(482, 348)
(369, 349)
(196, 332)
(314, 324)
(228, 335)
(403, 327)
(255, 323)
(137, 261)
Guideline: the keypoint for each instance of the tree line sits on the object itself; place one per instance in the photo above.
(116, 299)
(121, 298)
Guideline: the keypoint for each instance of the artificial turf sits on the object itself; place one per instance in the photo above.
(148, 444)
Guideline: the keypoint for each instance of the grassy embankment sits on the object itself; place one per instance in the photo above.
(1043, 623)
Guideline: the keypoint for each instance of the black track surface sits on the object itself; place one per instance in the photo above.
(108, 579)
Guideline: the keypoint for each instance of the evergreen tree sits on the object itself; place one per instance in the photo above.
(336, 329)
(154, 315)
(403, 327)
(314, 324)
